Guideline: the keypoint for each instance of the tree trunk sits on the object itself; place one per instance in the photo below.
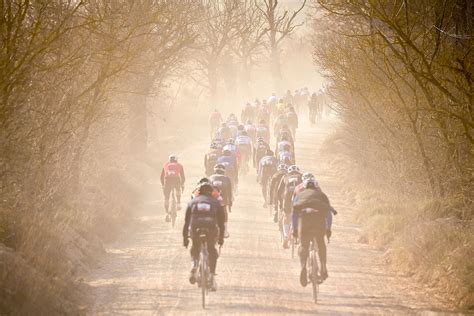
(275, 64)
(138, 133)
(212, 79)
(245, 78)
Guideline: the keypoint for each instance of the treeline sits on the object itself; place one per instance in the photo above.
(76, 82)
(401, 79)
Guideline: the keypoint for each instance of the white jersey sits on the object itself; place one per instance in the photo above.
(243, 140)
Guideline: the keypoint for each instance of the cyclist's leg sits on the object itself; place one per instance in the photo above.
(303, 251)
(177, 189)
(211, 248)
(195, 250)
(320, 233)
(166, 193)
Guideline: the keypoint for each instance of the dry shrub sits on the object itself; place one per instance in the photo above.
(437, 253)
(422, 241)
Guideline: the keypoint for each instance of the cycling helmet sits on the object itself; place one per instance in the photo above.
(203, 180)
(310, 183)
(293, 168)
(219, 167)
(281, 167)
(205, 188)
(307, 175)
(173, 158)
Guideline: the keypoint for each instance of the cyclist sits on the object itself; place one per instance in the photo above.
(288, 97)
(248, 112)
(215, 120)
(262, 131)
(259, 151)
(286, 155)
(301, 187)
(292, 120)
(231, 168)
(233, 126)
(285, 189)
(224, 131)
(251, 131)
(267, 167)
(224, 185)
(204, 212)
(313, 107)
(172, 178)
(281, 120)
(263, 111)
(218, 142)
(244, 148)
(210, 159)
(283, 144)
(311, 207)
(274, 199)
(240, 129)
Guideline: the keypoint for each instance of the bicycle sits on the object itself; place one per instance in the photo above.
(203, 276)
(313, 269)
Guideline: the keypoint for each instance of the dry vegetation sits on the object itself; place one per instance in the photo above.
(401, 79)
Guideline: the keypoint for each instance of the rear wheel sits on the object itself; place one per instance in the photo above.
(292, 240)
(314, 275)
(173, 213)
(204, 276)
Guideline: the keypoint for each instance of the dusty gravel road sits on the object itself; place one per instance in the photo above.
(146, 273)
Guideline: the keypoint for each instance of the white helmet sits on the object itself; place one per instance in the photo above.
(293, 168)
(282, 166)
(307, 175)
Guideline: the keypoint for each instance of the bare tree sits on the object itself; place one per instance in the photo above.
(250, 41)
(280, 24)
(217, 29)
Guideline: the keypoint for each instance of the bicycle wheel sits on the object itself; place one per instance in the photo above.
(173, 213)
(314, 275)
(292, 240)
(204, 276)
